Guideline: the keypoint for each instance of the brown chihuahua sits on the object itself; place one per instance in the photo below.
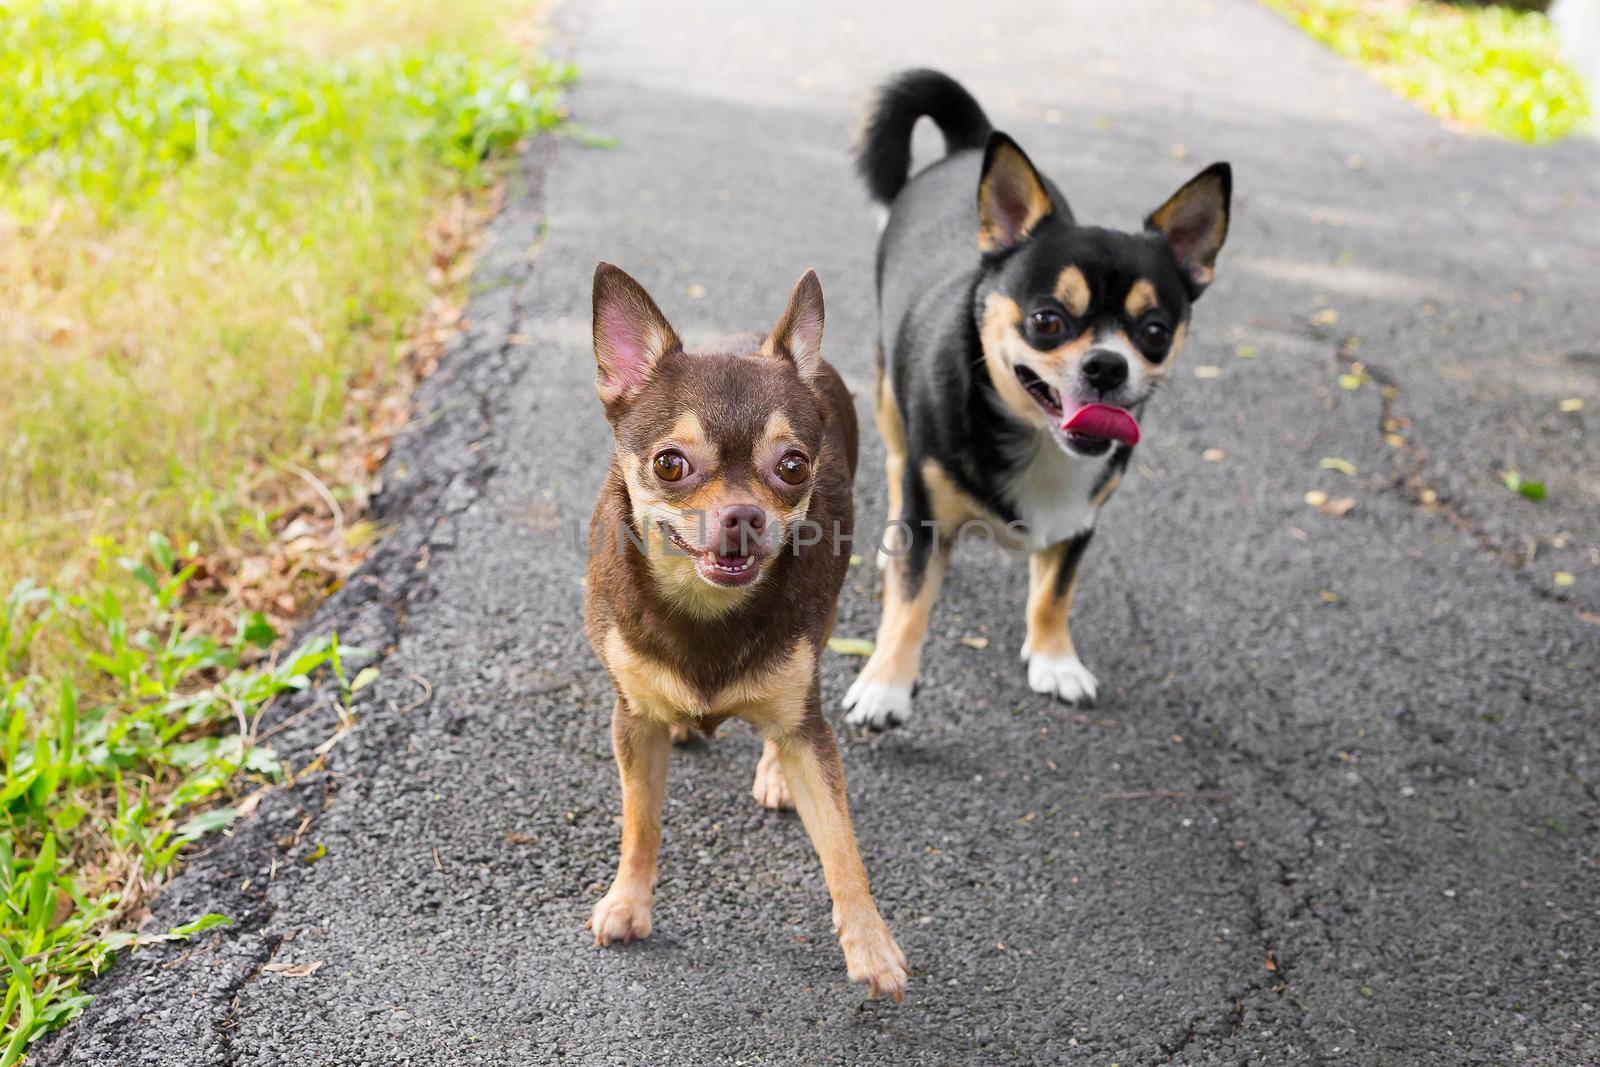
(713, 572)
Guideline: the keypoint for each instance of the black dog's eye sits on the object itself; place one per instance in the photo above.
(1154, 337)
(1047, 323)
(794, 468)
(670, 465)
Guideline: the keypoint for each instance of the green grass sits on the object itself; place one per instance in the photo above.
(211, 234)
(1484, 67)
(99, 799)
(218, 228)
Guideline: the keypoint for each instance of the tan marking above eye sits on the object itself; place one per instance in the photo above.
(1141, 298)
(1072, 290)
(778, 428)
(688, 430)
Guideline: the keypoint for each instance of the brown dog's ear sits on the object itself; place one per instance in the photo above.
(1012, 198)
(798, 335)
(1195, 223)
(630, 334)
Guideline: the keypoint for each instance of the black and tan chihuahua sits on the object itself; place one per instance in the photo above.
(1017, 351)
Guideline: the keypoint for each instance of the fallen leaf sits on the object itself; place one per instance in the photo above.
(1213, 455)
(1572, 403)
(696, 291)
(1180, 151)
(1338, 507)
(1208, 371)
(1350, 382)
(1325, 317)
(1334, 463)
(1518, 484)
(975, 642)
(1247, 351)
(1316, 498)
(850, 646)
(293, 970)
(1564, 579)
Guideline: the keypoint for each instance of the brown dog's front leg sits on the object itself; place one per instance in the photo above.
(642, 745)
(811, 767)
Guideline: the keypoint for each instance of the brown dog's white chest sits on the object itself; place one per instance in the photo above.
(772, 699)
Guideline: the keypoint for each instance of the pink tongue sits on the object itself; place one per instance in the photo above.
(1103, 420)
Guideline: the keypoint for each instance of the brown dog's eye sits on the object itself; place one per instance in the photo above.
(794, 468)
(1047, 323)
(671, 466)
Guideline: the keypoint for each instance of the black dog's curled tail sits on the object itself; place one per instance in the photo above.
(883, 152)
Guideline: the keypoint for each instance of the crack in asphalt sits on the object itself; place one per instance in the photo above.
(1412, 469)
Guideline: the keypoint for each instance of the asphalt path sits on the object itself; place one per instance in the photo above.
(1339, 801)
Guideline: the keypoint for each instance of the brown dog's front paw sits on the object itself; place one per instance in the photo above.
(872, 958)
(771, 789)
(620, 916)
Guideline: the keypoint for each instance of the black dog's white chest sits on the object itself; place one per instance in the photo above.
(1052, 493)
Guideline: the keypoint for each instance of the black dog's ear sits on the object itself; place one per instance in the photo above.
(798, 335)
(1195, 223)
(630, 335)
(1012, 198)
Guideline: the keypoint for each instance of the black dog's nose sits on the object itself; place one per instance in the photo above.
(1104, 370)
(741, 527)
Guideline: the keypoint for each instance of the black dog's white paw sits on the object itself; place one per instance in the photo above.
(877, 705)
(1063, 677)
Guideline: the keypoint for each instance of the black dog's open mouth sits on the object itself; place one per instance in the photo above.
(1042, 392)
(1046, 396)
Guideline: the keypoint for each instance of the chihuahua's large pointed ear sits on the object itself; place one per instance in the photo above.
(630, 334)
(1012, 198)
(798, 335)
(1195, 223)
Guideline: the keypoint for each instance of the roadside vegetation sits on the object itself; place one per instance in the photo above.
(1491, 67)
(232, 236)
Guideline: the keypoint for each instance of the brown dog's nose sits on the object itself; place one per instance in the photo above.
(742, 525)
